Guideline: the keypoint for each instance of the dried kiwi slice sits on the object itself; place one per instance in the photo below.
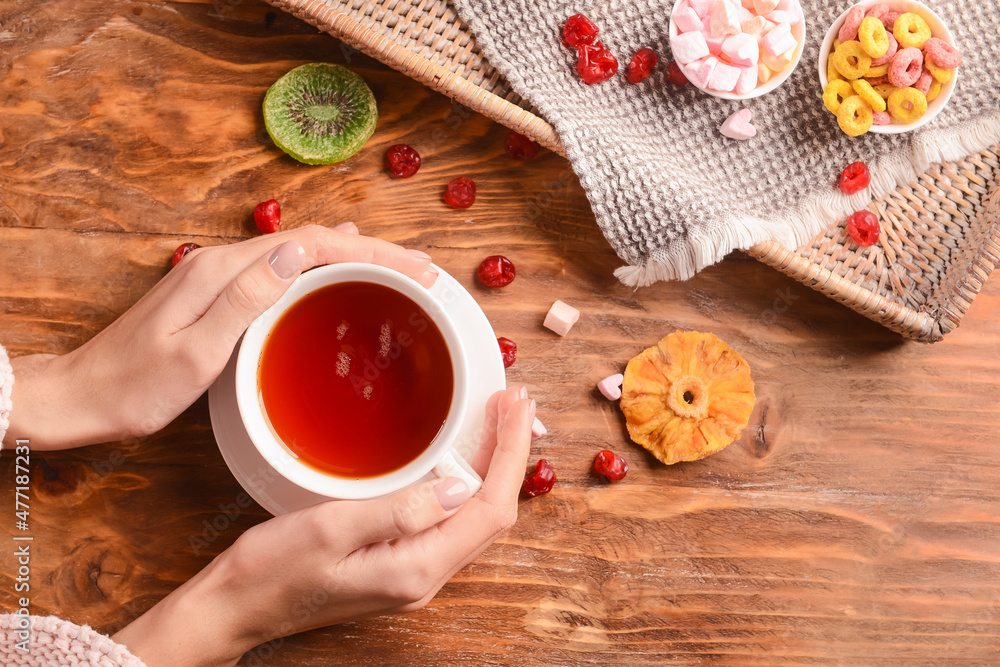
(320, 113)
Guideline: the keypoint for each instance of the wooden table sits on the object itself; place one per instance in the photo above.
(855, 523)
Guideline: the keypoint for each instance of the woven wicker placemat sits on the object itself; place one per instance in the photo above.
(941, 234)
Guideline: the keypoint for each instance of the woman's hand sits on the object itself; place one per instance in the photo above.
(154, 361)
(342, 560)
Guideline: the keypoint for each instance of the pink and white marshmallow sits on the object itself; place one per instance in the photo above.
(687, 20)
(779, 39)
(741, 49)
(611, 386)
(689, 47)
(700, 71)
(738, 126)
(724, 78)
(561, 318)
(702, 7)
(725, 19)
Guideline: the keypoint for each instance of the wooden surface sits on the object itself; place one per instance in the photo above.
(855, 523)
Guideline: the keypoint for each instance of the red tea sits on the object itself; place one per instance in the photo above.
(356, 379)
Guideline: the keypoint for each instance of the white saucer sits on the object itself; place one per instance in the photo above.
(278, 495)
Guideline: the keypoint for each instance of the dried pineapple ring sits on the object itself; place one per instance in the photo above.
(868, 94)
(940, 74)
(851, 60)
(907, 105)
(855, 117)
(835, 94)
(934, 91)
(687, 397)
(911, 30)
(873, 37)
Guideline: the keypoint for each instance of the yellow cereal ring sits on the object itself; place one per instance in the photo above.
(855, 117)
(884, 90)
(940, 74)
(868, 94)
(832, 73)
(851, 60)
(911, 30)
(934, 91)
(836, 44)
(907, 105)
(835, 94)
(873, 37)
(875, 72)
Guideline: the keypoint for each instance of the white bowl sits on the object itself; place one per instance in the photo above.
(938, 29)
(798, 31)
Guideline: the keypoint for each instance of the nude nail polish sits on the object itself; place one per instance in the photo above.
(451, 493)
(286, 259)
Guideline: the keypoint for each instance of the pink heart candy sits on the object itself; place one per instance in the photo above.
(738, 126)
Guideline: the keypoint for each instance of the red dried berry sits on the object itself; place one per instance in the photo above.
(609, 464)
(578, 31)
(404, 161)
(267, 215)
(460, 193)
(520, 147)
(181, 251)
(675, 75)
(855, 178)
(642, 64)
(863, 228)
(508, 350)
(541, 481)
(496, 271)
(596, 63)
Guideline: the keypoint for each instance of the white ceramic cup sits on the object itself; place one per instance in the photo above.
(442, 457)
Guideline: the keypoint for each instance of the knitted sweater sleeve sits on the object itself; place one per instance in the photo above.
(53, 642)
(6, 385)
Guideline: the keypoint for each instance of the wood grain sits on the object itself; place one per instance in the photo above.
(854, 524)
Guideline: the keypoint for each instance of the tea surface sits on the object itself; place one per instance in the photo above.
(356, 379)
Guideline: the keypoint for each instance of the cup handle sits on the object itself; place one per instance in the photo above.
(453, 465)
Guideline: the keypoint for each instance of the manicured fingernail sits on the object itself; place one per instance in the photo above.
(451, 493)
(522, 392)
(432, 270)
(346, 227)
(286, 259)
(416, 253)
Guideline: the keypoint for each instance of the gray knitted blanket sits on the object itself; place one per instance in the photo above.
(670, 193)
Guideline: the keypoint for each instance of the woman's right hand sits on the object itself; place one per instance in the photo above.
(342, 560)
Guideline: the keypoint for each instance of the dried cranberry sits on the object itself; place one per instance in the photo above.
(541, 481)
(642, 64)
(460, 193)
(595, 63)
(496, 271)
(863, 228)
(579, 30)
(855, 178)
(267, 215)
(404, 161)
(520, 147)
(508, 350)
(181, 251)
(675, 75)
(609, 464)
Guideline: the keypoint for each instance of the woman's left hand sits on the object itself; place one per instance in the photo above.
(154, 361)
